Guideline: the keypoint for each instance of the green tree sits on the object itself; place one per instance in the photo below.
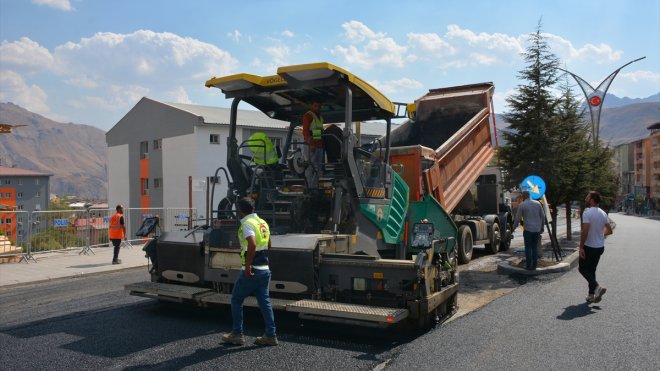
(571, 146)
(532, 118)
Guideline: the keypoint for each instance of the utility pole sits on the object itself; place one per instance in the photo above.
(595, 97)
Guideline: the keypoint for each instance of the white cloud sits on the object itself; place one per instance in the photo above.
(641, 76)
(110, 71)
(397, 86)
(16, 90)
(373, 48)
(82, 82)
(565, 50)
(472, 48)
(26, 55)
(357, 32)
(287, 33)
(279, 56)
(117, 98)
(235, 36)
(179, 95)
(430, 42)
(57, 4)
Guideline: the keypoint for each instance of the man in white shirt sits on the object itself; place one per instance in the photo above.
(533, 217)
(595, 226)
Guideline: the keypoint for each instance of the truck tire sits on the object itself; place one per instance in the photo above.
(495, 237)
(464, 244)
(505, 242)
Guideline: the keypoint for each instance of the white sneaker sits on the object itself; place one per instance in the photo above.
(590, 298)
(598, 295)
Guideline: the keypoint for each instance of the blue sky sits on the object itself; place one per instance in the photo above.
(90, 61)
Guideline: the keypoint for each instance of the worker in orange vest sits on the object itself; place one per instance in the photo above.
(117, 232)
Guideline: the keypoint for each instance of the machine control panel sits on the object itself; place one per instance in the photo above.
(422, 237)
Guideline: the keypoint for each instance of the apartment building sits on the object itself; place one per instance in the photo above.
(654, 139)
(21, 192)
(162, 154)
(638, 167)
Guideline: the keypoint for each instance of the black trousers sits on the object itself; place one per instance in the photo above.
(116, 243)
(587, 266)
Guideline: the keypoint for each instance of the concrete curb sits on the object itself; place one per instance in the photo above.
(565, 265)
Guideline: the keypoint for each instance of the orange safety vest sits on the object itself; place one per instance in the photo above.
(116, 231)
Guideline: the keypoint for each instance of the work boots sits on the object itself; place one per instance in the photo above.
(266, 340)
(232, 338)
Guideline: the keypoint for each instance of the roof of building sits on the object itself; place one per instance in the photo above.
(220, 115)
(254, 118)
(14, 171)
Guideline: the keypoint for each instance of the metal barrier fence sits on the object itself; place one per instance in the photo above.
(25, 234)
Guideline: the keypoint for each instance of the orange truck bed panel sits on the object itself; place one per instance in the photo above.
(443, 151)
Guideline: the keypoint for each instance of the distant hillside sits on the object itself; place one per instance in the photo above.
(620, 124)
(75, 154)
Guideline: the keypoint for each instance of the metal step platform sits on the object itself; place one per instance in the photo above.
(311, 308)
(250, 301)
(349, 311)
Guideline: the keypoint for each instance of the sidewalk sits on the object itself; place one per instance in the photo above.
(62, 264)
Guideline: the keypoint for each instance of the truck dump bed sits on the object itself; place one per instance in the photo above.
(444, 148)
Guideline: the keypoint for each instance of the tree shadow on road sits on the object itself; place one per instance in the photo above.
(577, 311)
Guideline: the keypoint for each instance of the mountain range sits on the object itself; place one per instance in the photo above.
(77, 154)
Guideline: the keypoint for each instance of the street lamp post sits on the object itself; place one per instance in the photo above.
(595, 97)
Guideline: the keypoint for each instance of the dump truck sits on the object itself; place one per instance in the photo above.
(445, 151)
(369, 241)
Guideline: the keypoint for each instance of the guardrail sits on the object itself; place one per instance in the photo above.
(25, 234)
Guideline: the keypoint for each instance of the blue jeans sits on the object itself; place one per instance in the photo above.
(244, 287)
(531, 248)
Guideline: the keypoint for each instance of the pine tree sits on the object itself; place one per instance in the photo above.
(532, 115)
(571, 144)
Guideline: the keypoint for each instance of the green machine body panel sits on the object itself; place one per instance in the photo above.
(390, 216)
(429, 208)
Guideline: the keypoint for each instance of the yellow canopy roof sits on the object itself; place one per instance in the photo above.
(287, 95)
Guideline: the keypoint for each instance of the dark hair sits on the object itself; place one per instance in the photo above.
(246, 205)
(595, 196)
(119, 207)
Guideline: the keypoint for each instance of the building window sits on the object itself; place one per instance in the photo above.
(8, 195)
(36, 181)
(9, 234)
(214, 139)
(20, 233)
(144, 150)
(19, 207)
(158, 143)
(0, 195)
(19, 195)
(8, 221)
(157, 182)
(20, 219)
(38, 194)
(37, 206)
(145, 186)
(7, 181)
(19, 181)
